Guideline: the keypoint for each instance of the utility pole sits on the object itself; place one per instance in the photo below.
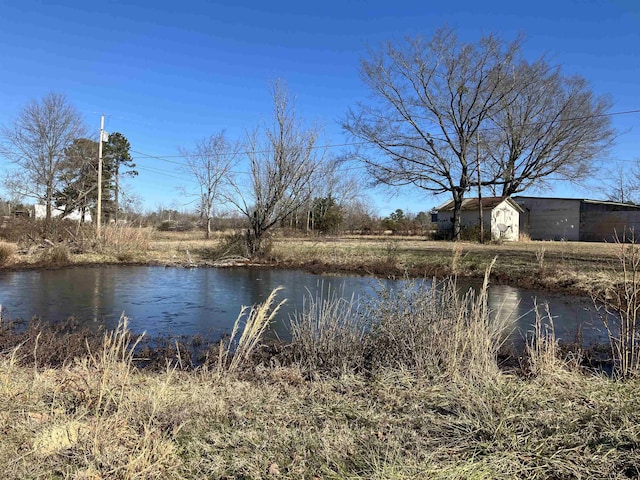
(99, 208)
(479, 188)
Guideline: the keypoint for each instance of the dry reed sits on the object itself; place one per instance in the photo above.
(232, 353)
(7, 251)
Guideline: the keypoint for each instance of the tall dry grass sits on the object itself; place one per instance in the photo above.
(434, 331)
(542, 351)
(7, 251)
(428, 329)
(619, 306)
(57, 255)
(123, 241)
(329, 334)
(234, 352)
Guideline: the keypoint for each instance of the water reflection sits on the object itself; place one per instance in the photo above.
(206, 301)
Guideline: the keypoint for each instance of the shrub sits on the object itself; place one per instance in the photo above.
(57, 255)
(7, 250)
(175, 226)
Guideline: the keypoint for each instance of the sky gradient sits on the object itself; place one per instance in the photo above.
(166, 74)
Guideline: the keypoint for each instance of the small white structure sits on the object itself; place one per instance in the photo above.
(41, 212)
(500, 216)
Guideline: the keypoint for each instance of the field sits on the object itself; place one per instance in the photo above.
(423, 394)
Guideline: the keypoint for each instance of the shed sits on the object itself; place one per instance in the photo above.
(41, 212)
(577, 219)
(500, 216)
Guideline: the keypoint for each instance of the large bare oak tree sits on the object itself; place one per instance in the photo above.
(429, 100)
(549, 124)
(443, 110)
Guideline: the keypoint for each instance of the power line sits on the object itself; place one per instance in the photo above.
(436, 136)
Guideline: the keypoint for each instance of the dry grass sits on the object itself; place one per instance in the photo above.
(56, 255)
(620, 309)
(328, 335)
(432, 331)
(233, 353)
(123, 241)
(7, 251)
(389, 426)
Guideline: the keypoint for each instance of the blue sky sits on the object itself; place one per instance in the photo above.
(168, 73)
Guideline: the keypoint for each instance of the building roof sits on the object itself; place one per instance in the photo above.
(583, 200)
(488, 203)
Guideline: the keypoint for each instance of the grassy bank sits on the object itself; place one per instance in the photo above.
(88, 421)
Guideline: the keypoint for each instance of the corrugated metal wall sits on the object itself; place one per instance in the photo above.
(604, 222)
(550, 218)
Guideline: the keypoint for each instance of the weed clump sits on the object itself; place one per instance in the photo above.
(123, 241)
(329, 334)
(7, 250)
(57, 255)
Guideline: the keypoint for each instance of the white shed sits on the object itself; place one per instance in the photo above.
(41, 212)
(500, 216)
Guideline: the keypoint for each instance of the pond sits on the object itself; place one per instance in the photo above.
(206, 301)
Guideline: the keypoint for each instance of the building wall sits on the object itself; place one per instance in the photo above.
(41, 213)
(550, 218)
(604, 222)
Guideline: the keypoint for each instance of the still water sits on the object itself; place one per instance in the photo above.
(206, 301)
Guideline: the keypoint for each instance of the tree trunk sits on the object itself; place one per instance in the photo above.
(48, 216)
(208, 227)
(458, 197)
(116, 193)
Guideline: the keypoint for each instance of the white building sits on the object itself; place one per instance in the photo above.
(500, 216)
(41, 213)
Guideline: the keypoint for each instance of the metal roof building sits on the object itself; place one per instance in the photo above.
(577, 219)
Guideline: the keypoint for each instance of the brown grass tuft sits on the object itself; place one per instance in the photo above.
(7, 250)
(57, 255)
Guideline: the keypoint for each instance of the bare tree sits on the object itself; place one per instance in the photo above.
(282, 159)
(429, 101)
(211, 162)
(36, 143)
(548, 124)
(620, 183)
